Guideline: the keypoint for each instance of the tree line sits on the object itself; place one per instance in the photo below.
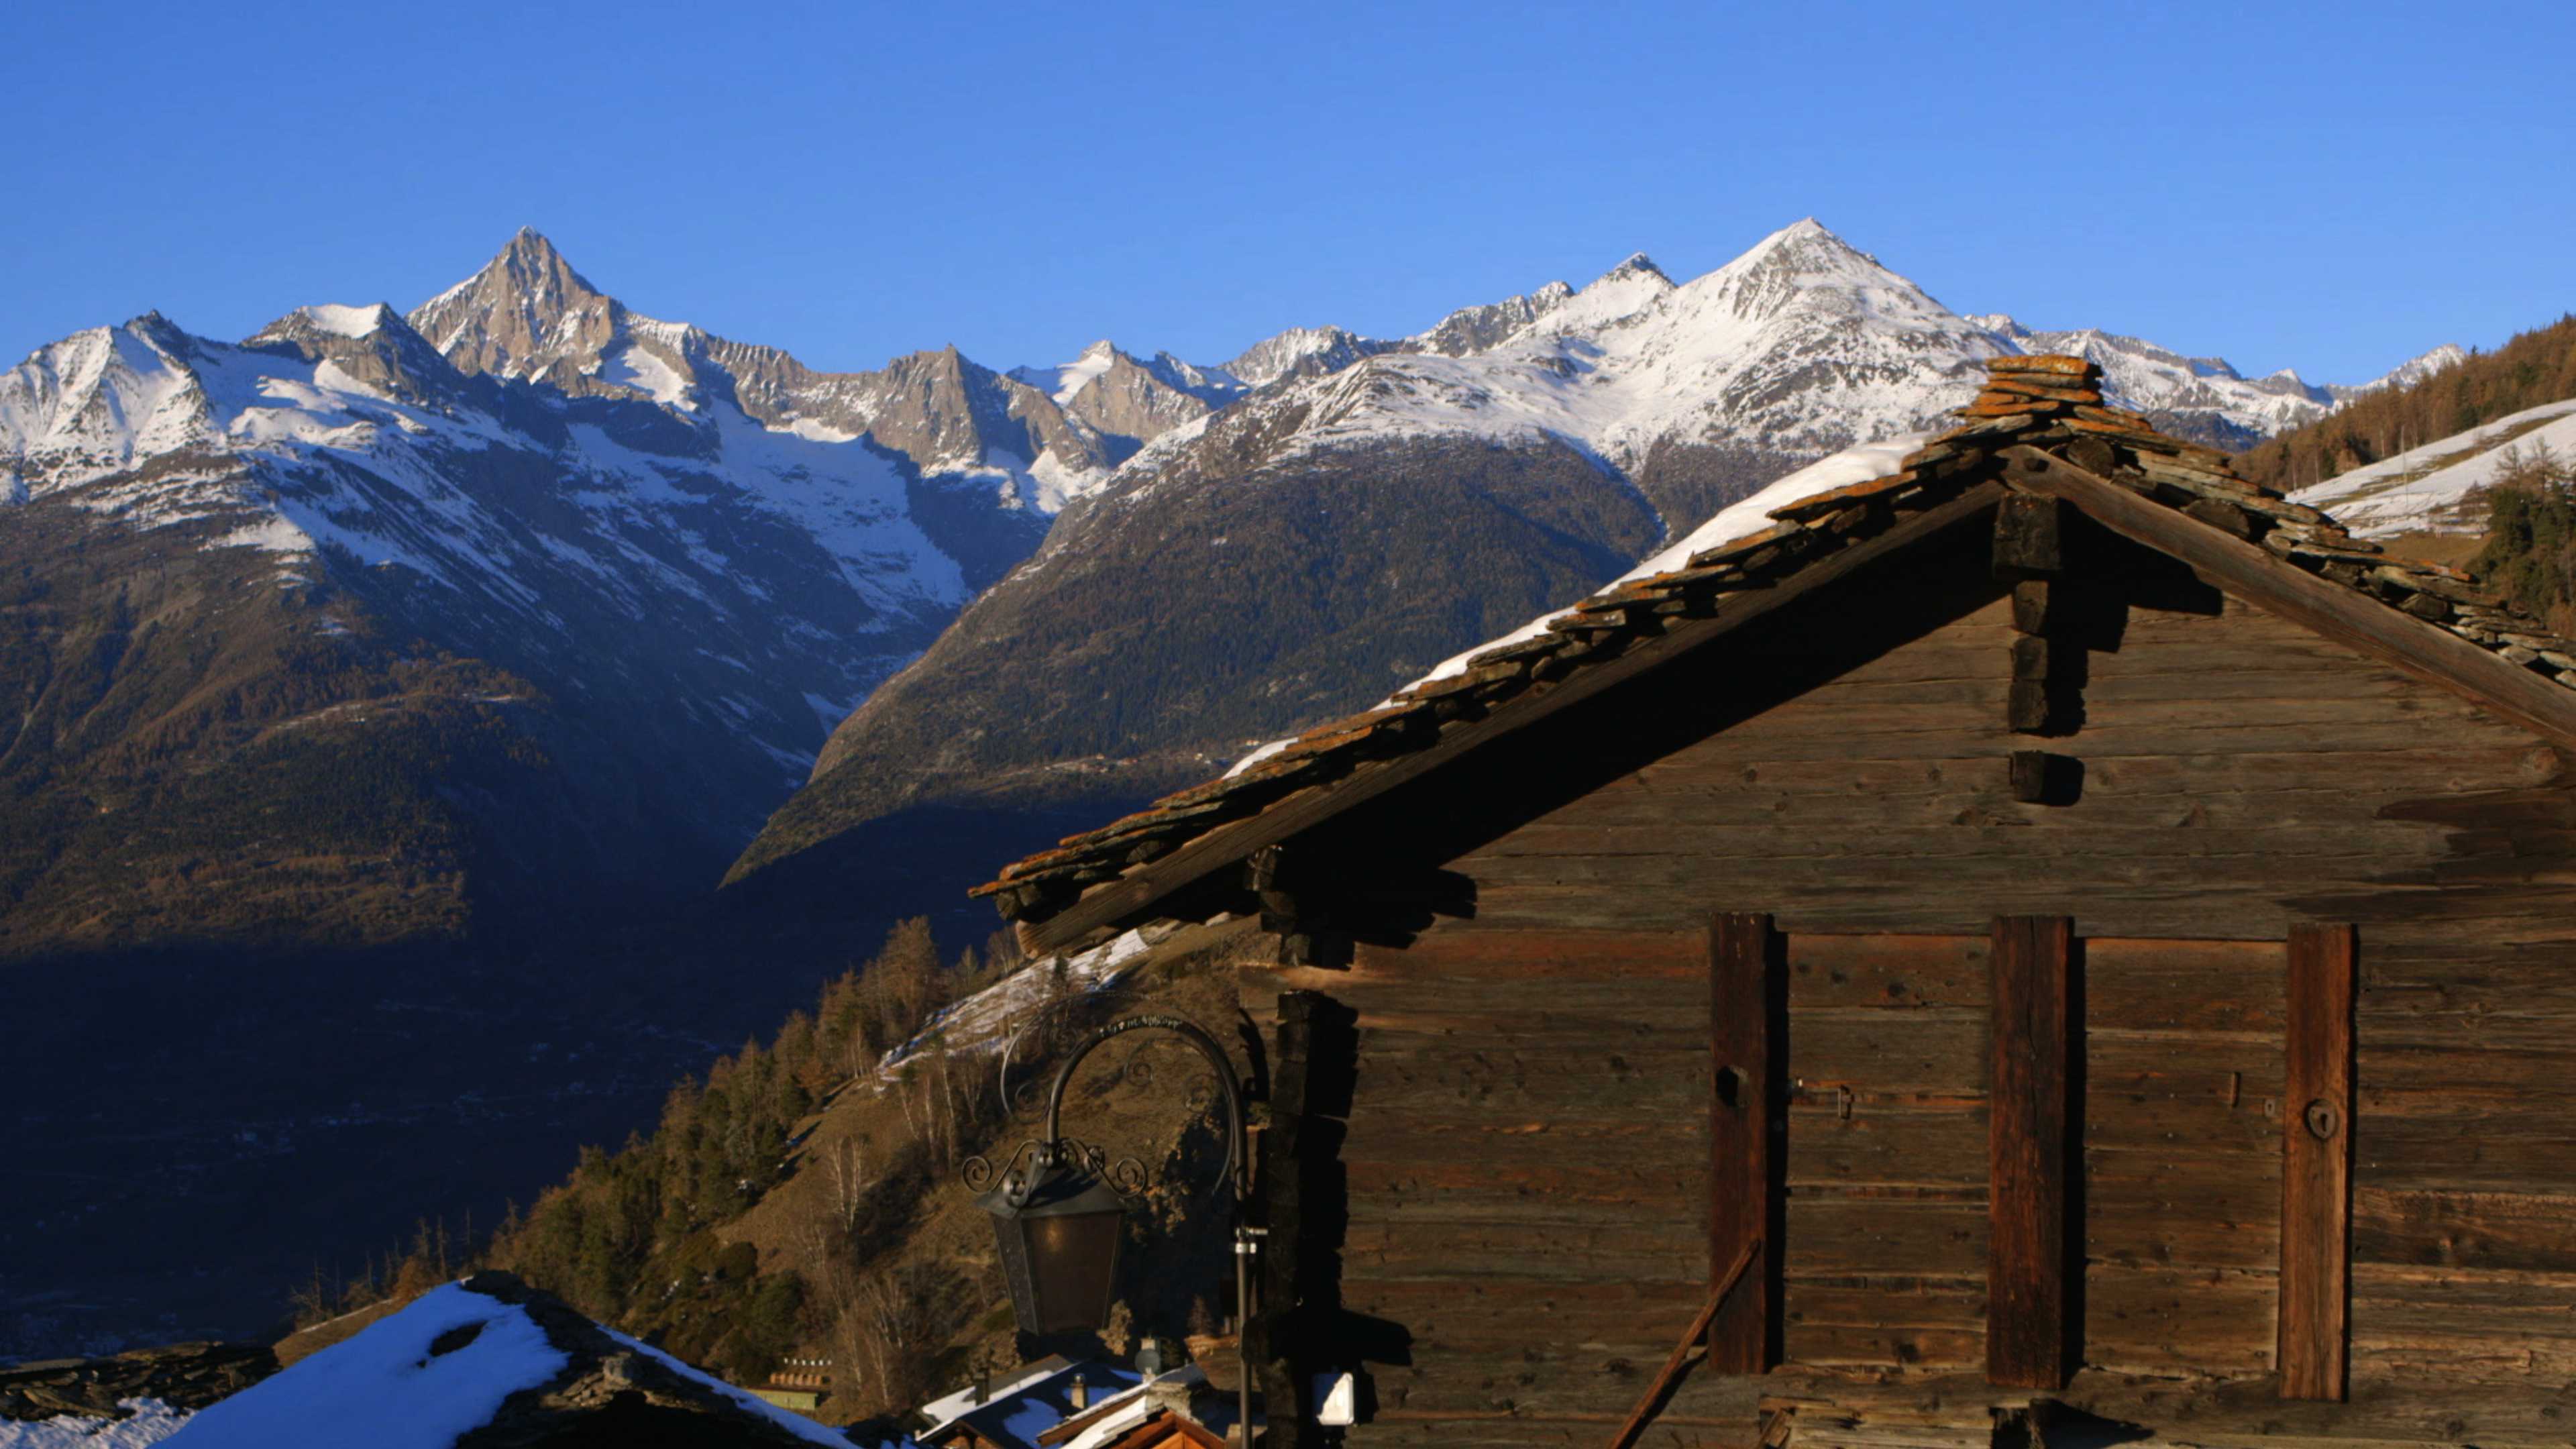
(2534, 367)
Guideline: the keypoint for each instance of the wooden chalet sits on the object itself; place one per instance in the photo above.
(2090, 936)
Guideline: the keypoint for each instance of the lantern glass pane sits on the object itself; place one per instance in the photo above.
(1073, 1259)
(1059, 1250)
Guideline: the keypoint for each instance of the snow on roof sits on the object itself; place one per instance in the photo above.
(393, 1386)
(748, 1402)
(1128, 1409)
(148, 1421)
(1013, 1412)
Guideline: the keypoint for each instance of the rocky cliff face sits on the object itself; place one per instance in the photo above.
(1130, 401)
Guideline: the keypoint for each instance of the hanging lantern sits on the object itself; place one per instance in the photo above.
(1057, 1228)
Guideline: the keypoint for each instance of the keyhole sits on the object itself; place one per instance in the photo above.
(1730, 1087)
(2323, 1120)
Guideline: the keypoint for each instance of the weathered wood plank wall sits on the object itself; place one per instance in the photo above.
(1528, 1158)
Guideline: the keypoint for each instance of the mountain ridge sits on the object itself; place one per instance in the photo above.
(1509, 457)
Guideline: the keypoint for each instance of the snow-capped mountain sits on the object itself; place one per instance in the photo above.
(529, 316)
(1371, 505)
(2206, 398)
(2404, 374)
(519, 491)
(1129, 401)
(526, 522)
(1802, 345)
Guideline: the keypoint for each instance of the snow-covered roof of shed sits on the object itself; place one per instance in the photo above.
(1014, 1411)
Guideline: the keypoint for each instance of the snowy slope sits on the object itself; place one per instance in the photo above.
(2436, 488)
(147, 1421)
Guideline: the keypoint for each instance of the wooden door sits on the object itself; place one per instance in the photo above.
(2176, 1102)
(1884, 1247)
(2181, 1208)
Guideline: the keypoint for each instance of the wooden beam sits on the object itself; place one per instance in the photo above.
(1747, 1021)
(2026, 538)
(2029, 776)
(1662, 1386)
(2028, 1095)
(1303, 809)
(2316, 1164)
(2345, 615)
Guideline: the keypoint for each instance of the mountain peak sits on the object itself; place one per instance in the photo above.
(1806, 240)
(525, 311)
(531, 265)
(1637, 265)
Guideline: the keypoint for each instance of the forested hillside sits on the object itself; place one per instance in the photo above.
(2534, 367)
(2530, 551)
(804, 1198)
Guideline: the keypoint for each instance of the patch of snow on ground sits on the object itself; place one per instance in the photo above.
(819, 432)
(2429, 487)
(276, 535)
(1060, 483)
(986, 1019)
(346, 321)
(150, 1422)
(385, 1388)
(632, 366)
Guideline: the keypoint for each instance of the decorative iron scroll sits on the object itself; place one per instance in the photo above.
(1018, 1174)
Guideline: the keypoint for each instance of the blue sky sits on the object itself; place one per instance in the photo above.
(2335, 188)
